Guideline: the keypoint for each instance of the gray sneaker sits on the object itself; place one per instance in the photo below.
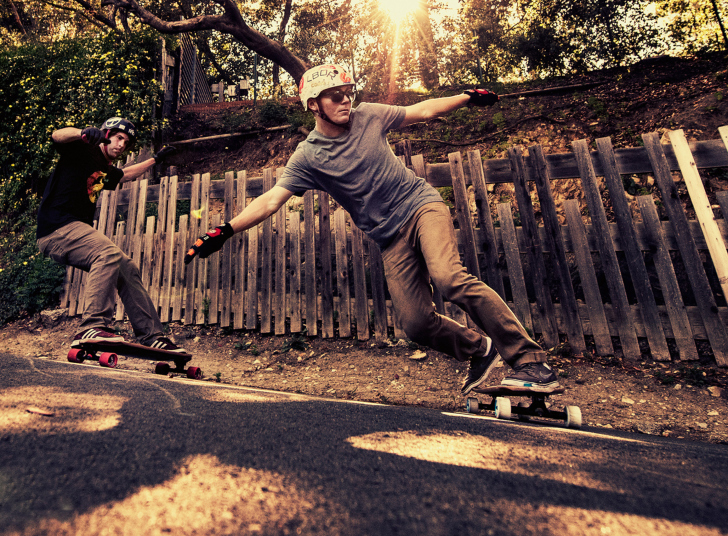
(535, 376)
(480, 367)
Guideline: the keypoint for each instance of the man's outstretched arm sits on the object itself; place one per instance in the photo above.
(261, 208)
(431, 108)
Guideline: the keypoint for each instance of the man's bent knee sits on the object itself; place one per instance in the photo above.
(419, 328)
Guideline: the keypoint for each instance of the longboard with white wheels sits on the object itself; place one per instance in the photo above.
(537, 408)
(107, 354)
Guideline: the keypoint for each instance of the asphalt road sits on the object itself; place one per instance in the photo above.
(85, 450)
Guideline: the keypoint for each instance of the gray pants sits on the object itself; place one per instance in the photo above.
(109, 269)
(425, 248)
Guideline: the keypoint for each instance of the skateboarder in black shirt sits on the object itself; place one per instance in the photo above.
(66, 235)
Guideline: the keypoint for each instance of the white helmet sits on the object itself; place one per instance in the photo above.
(321, 78)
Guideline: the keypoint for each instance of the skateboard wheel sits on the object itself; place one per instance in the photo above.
(502, 408)
(573, 417)
(108, 359)
(76, 355)
(195, 373)
(161, 368)
(522, 417)
(472, 405)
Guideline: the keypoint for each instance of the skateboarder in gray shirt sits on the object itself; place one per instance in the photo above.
(348, 156)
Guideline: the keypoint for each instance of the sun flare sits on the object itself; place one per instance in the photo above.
(399, 9)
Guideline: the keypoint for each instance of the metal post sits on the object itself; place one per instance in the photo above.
(477, 56)
(255, 81)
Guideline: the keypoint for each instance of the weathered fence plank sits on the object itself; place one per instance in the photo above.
(555, 243)
(361, 303)
(266, 276)
(157, 264)
(309, 244)
(192, 271)
(327, 293)
(539, 276)
(522, 307)
(251, 293)
(213, 293)
(463, 214)
(227, 254)
(589, 284)
(610, 265)
(677, 313)
(239, 258)
(178, 291)
(202, 299)
(281, 245)
(168, 273)
(633, 254)
(342, 273)
(294, 299)
(379, 303)
(489, 244)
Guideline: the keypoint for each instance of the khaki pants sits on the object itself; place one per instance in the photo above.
(109, 269)
(425, 248)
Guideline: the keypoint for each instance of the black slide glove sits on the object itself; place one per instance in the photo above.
(163, 153)
(482, 97)
(94, 136)
(210, 242)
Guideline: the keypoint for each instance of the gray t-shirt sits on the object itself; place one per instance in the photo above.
(360, 171)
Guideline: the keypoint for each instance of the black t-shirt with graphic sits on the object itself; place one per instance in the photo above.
(71, 194)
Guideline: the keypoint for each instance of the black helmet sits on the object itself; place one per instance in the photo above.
(122, 125)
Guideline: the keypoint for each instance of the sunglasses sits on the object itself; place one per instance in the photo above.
(337, 95)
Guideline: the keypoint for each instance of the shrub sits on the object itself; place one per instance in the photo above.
(29, 282)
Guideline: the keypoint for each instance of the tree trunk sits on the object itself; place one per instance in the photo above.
(429, 74)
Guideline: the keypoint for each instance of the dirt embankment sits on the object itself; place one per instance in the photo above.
(669, 399)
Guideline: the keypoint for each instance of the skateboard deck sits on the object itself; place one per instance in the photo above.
(106, 354)
(500, 404)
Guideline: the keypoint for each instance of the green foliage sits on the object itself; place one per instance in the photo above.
(29, 282)
(72, 83)
(296, 342)
(273, 113)
(600, 109)
(692, 25)
(665, 378)
(46, 87)
(499, 120)
(448, 196)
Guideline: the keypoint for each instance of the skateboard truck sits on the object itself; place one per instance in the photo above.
(503, 409)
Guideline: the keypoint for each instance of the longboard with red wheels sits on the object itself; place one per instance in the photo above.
(107, 354)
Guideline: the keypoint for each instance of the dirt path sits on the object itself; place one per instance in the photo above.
(673, 399)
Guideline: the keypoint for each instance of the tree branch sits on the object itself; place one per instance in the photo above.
(89, 13)
(231, 22)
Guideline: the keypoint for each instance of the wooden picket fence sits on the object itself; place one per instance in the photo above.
(323, 276)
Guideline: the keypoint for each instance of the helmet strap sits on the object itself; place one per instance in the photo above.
(320, 113)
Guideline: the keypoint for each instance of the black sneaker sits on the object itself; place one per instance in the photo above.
(95, 335)
(163, 343)
(534, 376)
(480, 367)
